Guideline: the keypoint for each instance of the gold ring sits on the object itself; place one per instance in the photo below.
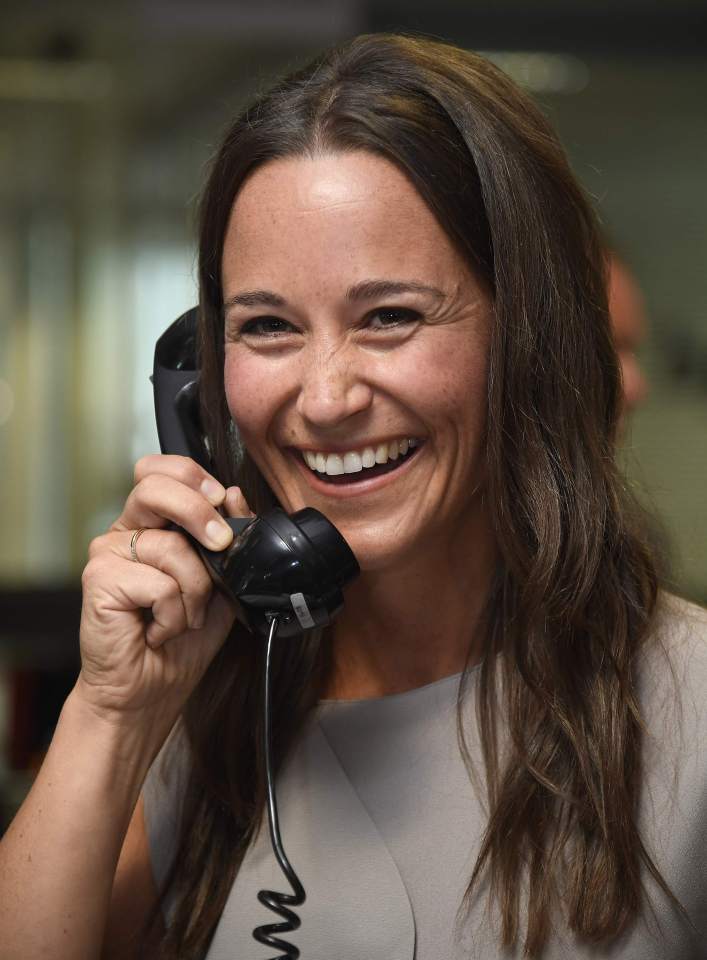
(133, 544)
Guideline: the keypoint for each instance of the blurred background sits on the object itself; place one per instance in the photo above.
(108, 114)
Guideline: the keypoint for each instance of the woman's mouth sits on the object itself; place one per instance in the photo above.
(357, 466)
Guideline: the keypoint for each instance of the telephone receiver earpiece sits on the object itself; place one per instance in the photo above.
(290, 566)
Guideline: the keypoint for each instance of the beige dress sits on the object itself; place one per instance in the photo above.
(382, 824)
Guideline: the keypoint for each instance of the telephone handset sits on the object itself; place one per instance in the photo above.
(293, 567)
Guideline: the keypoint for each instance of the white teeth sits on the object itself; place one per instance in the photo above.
(334, 465)
(382, 453)
(368, 457)
(352, 463)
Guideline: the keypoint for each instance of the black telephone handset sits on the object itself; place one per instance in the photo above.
(293, 567)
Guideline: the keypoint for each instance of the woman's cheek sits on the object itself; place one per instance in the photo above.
(246, 394)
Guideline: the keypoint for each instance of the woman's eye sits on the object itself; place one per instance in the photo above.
(265, 327)
(386, 318)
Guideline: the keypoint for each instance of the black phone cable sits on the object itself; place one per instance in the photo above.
(279, 903)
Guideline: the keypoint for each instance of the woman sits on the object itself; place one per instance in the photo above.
(398, 274)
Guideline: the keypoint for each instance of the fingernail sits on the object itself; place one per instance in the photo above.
(198, 620)
(213, 491)
(219, 533)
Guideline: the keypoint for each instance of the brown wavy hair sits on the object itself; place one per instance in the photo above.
(576, 589)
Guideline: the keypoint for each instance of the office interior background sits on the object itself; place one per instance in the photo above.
(108, 115)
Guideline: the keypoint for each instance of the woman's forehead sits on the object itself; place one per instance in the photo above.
(355, 214)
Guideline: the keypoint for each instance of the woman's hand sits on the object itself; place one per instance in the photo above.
(150, 628)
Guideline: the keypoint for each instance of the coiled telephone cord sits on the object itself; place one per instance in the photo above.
(279, 903)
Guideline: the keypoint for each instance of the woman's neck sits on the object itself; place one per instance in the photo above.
(410, 625)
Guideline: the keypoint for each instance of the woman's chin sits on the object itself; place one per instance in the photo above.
(376, 552)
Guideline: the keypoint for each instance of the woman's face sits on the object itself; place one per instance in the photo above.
(354, 333)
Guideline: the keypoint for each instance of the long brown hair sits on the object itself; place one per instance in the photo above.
(576, 589)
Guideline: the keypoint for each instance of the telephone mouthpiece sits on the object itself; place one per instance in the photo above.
(329, 544)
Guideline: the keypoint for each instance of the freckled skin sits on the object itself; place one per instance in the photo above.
(308, 229)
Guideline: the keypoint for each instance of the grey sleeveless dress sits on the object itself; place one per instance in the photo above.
(382, 823)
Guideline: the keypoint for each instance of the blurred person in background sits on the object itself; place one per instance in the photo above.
(498, 748)
(629, 323)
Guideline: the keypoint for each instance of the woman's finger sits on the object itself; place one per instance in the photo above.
(159, 499)
(235, 503)
(184, 469)
(134, 586)
(171, 552)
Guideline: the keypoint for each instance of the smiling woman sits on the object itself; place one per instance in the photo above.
(498, 747)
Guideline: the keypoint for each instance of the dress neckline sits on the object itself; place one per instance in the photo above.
(391, 697)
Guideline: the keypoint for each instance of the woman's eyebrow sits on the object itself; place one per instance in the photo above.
(365, 290)
(254, 298)
(374, 289)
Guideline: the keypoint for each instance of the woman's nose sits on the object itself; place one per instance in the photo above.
(331, 389)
